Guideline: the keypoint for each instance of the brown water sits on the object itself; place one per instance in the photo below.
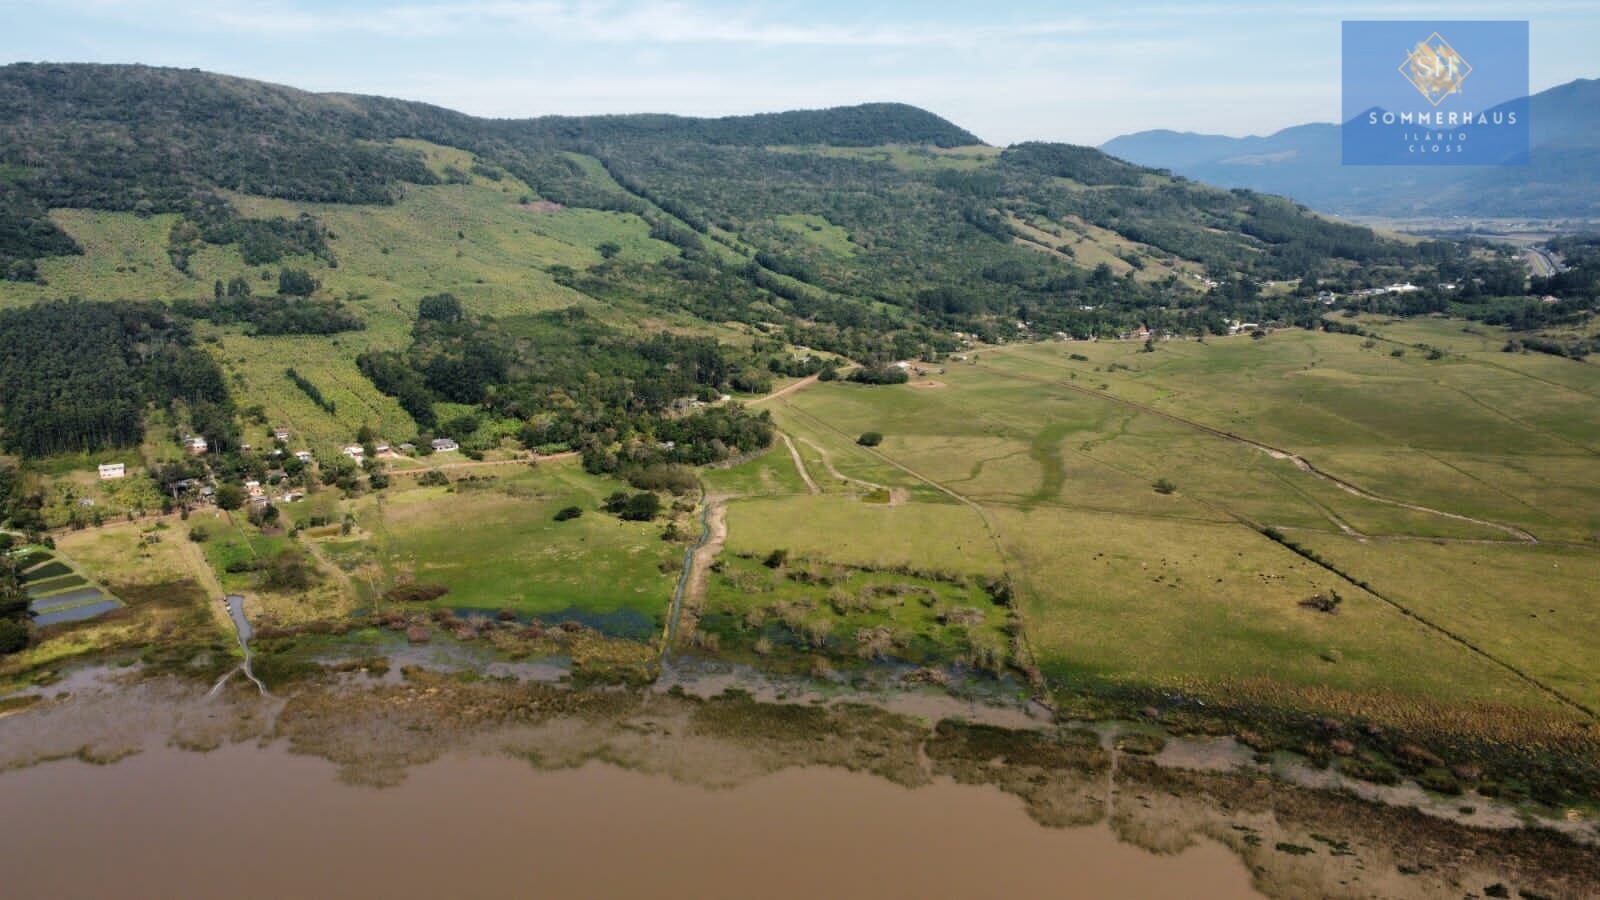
(248, 821)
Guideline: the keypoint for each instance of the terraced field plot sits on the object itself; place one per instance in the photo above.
(58, 594)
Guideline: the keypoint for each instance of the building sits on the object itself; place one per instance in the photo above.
(354, 451)
(445, 445)
(303, 455)
(253, 488)
(109, 471)
(195, 444)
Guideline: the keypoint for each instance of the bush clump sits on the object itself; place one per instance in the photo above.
(415, 592)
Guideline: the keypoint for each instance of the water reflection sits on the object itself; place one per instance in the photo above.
(436, 786)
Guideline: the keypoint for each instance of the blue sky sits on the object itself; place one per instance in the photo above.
(1079, 72)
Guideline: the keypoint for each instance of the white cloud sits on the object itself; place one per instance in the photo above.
(651, 21)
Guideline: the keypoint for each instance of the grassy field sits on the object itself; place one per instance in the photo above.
(496, 545)
(1057, 448)
(802, 611)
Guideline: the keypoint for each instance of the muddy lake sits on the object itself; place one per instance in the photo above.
(251, 821)
(431, 785)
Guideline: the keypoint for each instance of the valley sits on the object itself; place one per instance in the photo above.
(844, 398)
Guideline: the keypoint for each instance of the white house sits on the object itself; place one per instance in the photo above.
(303, 455)
(281, 434)
(196, 444)
(355, 451)
(445, 445)
(109, 471)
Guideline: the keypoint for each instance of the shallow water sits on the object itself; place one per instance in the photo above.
(429, 784)
(253, 821)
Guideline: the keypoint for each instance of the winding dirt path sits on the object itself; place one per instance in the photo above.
(800, 464)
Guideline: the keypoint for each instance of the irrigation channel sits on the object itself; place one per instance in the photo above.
(241, 627)
(676, 609)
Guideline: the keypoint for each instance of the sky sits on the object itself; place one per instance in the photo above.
(1077, 72)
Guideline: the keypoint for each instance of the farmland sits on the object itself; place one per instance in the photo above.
(1423, 478)
(494, 542)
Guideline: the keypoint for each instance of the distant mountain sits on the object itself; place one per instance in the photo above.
(1303, 162)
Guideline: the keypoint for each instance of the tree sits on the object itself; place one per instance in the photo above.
(230, 496)
(641, 507)
(296, 283)
(1164, 486)
(568, 513)
(13, 636)
(870, 439)
(440, 308)
(608, 249)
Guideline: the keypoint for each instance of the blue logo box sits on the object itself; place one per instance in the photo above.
(1423, 93)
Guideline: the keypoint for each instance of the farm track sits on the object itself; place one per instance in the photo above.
(991, 529)
(1443, 631)
(1521, 536)
(800, 464)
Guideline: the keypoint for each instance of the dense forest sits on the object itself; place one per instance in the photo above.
(78, 376)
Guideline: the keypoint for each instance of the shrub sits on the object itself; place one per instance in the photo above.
(776, 559)
(880, 375)
(288, 571)
(1163, 486)
(415, 592)
(641, 507)
(13, 636)
(567, 513)
(870, 439)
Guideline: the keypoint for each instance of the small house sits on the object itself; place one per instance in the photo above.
(354, 451)
(110, 471)
(445, 445)
(303, 455)
(195, 444)
(253, 488)
(280, 434)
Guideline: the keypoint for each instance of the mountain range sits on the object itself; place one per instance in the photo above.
(1303, 162)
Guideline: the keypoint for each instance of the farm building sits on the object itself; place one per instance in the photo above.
(445, 445)
(109, 471)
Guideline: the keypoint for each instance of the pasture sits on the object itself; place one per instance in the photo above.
(495, 543)
(1423, 477)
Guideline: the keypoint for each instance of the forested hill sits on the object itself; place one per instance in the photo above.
(854, 224)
